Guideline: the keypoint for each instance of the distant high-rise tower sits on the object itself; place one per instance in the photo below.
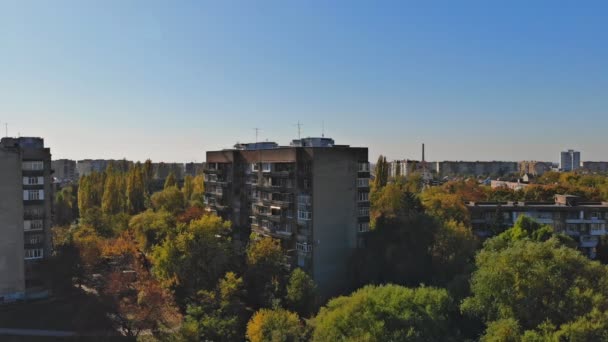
(570, 160)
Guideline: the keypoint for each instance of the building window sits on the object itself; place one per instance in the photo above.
(362, 182)
(304, 247)
(363, 197)
(33, 195)
(364, 212)
(35, 253)
(266, 167)
(33, 224)
(32, 166)
(35, 239)
(363, 227)
(304, 199)
(363, 167)
(33, 180)
(304, 215)
(254, 167)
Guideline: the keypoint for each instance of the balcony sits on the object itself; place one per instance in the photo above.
(598, 231)
(282, 174)
(213, 171)
(579, 221)
(587, 241)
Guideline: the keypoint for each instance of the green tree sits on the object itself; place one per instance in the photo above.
(266, 271)
(387, 313)
(301, 292)
(65, 206)
(136, 190)
(188, 188)
(198, 190)
(170, 181)
(382, 170)
(170, 199)
(150, 228)
(112, 196)
(539, 285)
(278, 325)
(218, 315)
(195, 258)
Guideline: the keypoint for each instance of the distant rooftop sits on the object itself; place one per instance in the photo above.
(304, 142)
(23, 142)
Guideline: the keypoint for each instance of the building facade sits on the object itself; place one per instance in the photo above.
(65, 170)
(596, 166)
(570, 160)
(475, 168)
(534, 168)
(312, 195)
(32, 165)
(583, 221)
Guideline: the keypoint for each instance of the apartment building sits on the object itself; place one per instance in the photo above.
(534, 168)
(596, 166)
(312, 195)
(65, 170)
(26, 203)
(570, 160)
(583, 221)
(475, 168)
(194, 169)
(87, 166)
(162, 170)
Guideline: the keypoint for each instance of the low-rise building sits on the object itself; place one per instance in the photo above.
(583, 221)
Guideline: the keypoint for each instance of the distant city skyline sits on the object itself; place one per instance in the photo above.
(169, 81)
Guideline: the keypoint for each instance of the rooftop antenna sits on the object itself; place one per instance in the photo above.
(323, 129)
(257, 131)
(299, 125)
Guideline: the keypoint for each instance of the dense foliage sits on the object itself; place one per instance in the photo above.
(157, 262)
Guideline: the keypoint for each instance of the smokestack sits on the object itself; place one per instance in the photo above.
(423, 152)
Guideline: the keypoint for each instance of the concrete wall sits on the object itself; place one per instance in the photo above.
(334, 218)
(12, 276)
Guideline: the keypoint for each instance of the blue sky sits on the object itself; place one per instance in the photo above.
(168, 80)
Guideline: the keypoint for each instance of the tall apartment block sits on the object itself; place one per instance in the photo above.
(25, 218)
(312, 195)
(570, 160)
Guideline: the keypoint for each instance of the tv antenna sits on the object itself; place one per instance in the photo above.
(257, 131)
(323, 129)
(299, 125)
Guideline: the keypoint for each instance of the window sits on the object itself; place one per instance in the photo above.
(35, 253)
(363, 227)
(363, 167)
(364, 212)
(33, 195)
(304, 215)
(363, 196)
(304, 247)
(254, 167)
(34, 239)
(304, 199)
(33, 180)
(32, 166)
(266, 167)
(362, 182)
(33, 224)
(595, 215)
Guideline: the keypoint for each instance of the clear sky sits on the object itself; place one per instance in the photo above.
(168, 80)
